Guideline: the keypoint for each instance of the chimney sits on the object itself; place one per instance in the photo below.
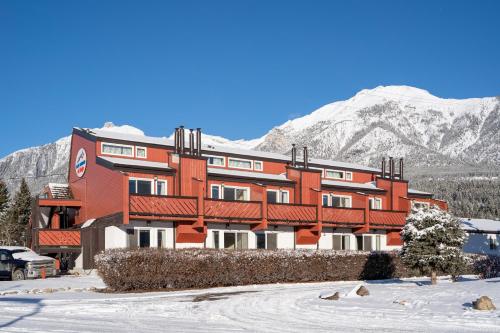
(198, 141)
(191, 142)
(306, 158)
(294, 155)
(176, 140)
(391, 168)
(383, 167)
(401, 175)
(181, 140)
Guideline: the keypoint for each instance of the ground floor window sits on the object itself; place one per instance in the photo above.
(341, 242)
(215, 238)
(162, 238)
(144, 238)
(267, 241)
(235, 240)
(366, 242)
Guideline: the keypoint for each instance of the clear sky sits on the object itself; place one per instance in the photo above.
(235, 68)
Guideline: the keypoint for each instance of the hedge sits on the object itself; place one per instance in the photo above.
(156, 269)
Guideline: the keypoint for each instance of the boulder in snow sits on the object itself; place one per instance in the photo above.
(362, 291)
(483, 303)
(332, 297)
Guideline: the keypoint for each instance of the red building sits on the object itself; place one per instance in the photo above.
(128, 191)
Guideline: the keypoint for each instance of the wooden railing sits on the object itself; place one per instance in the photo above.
(339, 215)
(58, 237)
(163, 206)
(387, 218)
(233, 210)
(289, 213)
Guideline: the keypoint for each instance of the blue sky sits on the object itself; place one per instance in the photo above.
(234, 68)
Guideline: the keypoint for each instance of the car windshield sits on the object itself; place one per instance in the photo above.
(18, 251)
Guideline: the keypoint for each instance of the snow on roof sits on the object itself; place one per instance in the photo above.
(135, 163)
(134, 137)
(12, 248)
(87, 223)
(247, 174)
(413, 191)
(480, 225)
(367, 186)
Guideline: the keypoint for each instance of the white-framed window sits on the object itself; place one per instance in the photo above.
(215, 192)
(144, 239)
(117, 149)
(235, 193)
(141, 152)
(216, 239)
(335, 200)
(161, 238)
(348, 175)
(420, 204)
(341, 242)
(334, 174)
(378, 243)
(239, 163)
(375, 203)
(364, 242)
(235, 240)
(493, 242)
(278, 196)
(219, 161)
(161, 187)
(267, 240)
(140, 186)
(258, 165)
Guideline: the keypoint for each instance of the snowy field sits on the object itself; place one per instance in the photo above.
(410, 305)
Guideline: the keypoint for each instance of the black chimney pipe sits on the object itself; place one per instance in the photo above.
(191, 141)
(383, 167)
(294, 155)
(306, 158)
(181, 140)
(391, 168)
(176, 140)
(198, 141)
(401, 175)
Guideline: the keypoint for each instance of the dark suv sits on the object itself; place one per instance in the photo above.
(19, 263)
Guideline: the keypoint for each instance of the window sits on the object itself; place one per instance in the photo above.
(367, 243)
(140, 186)
(235, 241)
(284, 197)
(326, 200)
(378, 242)
(420, 205)
(140, 152)
(348, 175)
(229, 240)
(161, 187)
(116, 149)
(341, 242)
(261, 240)
(375, 203)
(162, 239)
(359, 243)
(216, 244)
(341, 201)
(334, 174)
(493, 242)
(235, 193)
(216, 161)
(277, 196)
(215, 192)
(240, 164)
(257, 165)
(267, 240)
(144, 238)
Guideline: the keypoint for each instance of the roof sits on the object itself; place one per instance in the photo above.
(366, 186)
(60, 191)
(413, 191)
(87, 223)
(210, 149)
(479, 225)
(127, 162)
(12, 248)
(248, 174)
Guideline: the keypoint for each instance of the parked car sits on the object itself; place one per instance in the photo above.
(19, 263)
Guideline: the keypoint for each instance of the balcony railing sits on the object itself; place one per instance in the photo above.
(233, 210)
(289, 213)
(57, 237)
(387, 218)
(163, 206)
(343, 215)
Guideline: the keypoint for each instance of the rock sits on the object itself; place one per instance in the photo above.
(35, 291)
(13, 292)
(483, 303)
(333, 297)
(48, 290)
(362, 291)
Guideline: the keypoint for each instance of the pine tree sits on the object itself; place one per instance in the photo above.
(433, 241)
(4, 204)
(18, 216)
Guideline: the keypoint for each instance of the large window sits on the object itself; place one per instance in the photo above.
(277, 196)
(116, 149)
(235, 240)
(216, 161)
(162, 238)
(334, 174)
(140, 186)
(144, 238)
(161, 187)
(267, 240)
(340, 201)
(240, 163)
(375, 203)
(420, 205)
(235, 193)
(341, 242)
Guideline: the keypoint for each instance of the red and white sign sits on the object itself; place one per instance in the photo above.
(81, 162)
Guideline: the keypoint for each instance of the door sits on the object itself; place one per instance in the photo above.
(5, 263)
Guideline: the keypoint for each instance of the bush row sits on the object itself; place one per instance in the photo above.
(153, 269)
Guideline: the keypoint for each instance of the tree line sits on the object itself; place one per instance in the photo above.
(15, 215)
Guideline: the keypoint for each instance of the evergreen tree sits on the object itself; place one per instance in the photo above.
(433, 241)
(4, 204)
(18, 216)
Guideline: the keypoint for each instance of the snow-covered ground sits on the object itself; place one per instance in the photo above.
(410, 305)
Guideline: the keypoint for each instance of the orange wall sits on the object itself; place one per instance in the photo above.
(101, 190)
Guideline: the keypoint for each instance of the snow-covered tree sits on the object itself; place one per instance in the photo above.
(16, 219)
(433, 241)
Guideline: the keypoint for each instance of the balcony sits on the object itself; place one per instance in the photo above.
(387, 218)
(232, 210)
(158, 207)
(292, 214)
(343, 216)
(57, 237)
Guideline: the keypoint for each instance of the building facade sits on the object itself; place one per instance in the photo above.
(483, 236)
(129, 191)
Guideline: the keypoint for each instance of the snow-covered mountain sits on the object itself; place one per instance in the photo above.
(398, 121)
